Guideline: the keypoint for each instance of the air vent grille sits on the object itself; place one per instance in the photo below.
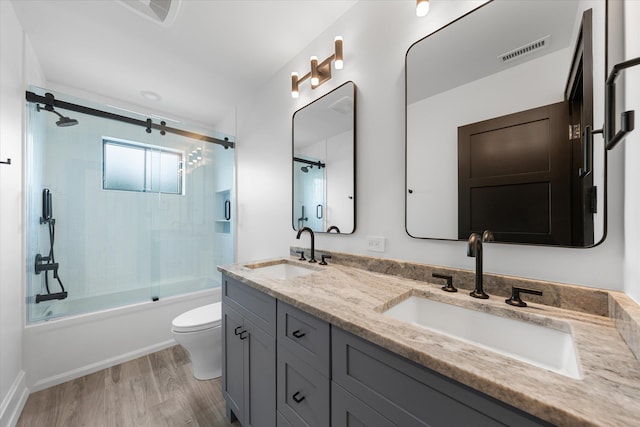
(159, 11)
(525, 50)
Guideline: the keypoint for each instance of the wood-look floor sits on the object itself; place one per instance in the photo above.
(154, 390)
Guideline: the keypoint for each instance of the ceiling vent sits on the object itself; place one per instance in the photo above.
(525, 50)
(159, 11)
(343, 105)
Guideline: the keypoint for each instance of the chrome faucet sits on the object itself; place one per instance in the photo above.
(313, 255)
(474, 249)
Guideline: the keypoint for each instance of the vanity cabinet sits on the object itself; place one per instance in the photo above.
(248, 354)
(276, 356)
(303, 387)
(405, 393)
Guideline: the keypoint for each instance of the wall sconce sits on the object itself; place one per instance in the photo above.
(320, 72)
(422, 7)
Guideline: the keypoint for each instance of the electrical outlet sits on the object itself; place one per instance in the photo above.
(375, 244)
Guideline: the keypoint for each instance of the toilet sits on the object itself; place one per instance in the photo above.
(199, 332)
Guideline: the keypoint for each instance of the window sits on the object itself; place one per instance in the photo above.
(129, 166)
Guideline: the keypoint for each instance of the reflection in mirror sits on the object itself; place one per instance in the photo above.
(324, 163)
(496, 103)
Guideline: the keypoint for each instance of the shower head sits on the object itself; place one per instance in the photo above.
(304, 169)
(63, 122)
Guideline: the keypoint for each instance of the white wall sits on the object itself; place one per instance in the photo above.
(376, 38)
(632, 151)
(12, 378)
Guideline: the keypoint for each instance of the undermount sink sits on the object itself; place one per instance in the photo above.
(537, 345)
(282, 269)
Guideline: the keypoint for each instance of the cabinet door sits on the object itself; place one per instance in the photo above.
(232, 361)
(260, 378)
(303, 393)
(348, 411)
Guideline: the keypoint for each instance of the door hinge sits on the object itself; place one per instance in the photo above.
(574, 131)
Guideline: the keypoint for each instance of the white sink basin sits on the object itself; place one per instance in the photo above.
(537, 345)
(282, 270)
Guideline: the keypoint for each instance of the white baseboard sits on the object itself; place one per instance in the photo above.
(95, 367)
(13, 403)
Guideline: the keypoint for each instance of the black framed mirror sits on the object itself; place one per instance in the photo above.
(323, 166)
(496, 103)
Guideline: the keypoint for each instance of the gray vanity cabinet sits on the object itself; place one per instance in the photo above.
(323, 376)
(349, 411)
(303, 394)
(408, 394)
(248, 354)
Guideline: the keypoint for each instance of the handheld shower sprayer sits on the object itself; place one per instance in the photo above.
(47, 263)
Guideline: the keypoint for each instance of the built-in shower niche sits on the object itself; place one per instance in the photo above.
(222, 209)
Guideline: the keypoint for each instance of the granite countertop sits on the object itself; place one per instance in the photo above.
(353, 299)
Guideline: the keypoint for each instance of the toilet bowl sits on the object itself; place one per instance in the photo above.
(199, 332)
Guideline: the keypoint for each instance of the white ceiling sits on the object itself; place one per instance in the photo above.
(212, 55)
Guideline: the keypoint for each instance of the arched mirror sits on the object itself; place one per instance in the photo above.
(324, 163)
(496, 104)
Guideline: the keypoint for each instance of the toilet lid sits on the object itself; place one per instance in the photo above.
(198, 319)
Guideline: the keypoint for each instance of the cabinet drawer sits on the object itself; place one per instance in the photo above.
(302, 392)
(305, 336)
(349, 411)
(254, 305)
(412, 395)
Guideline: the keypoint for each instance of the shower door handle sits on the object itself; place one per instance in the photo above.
(319, 213)
(227, 210)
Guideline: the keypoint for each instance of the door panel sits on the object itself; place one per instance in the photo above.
(232, 361)
(514, 177)
(261, 378)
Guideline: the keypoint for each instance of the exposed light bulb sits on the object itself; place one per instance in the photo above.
(294, 85)
(422, 7)
(315, 80)
(339, 63)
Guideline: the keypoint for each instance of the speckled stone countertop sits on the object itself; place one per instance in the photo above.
(353, 299)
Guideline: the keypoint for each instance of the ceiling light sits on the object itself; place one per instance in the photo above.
(422, 7)
(320, 72)
(151, 96)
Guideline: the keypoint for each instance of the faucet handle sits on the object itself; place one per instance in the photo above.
(515, 299)
(449, 287)
(302, 258)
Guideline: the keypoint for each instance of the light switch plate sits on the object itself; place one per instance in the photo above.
(375, 244)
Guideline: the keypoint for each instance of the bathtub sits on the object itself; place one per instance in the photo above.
(62, 349)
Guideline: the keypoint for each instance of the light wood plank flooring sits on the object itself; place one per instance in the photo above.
(154, 390)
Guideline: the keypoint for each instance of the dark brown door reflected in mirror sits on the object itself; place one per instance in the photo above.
(494, 125)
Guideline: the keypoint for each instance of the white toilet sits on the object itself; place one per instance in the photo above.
(199, 332)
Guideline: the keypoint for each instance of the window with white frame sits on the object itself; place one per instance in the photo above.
(130, 166)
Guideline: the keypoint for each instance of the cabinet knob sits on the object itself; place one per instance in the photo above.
(298, 333)
(298, 397)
